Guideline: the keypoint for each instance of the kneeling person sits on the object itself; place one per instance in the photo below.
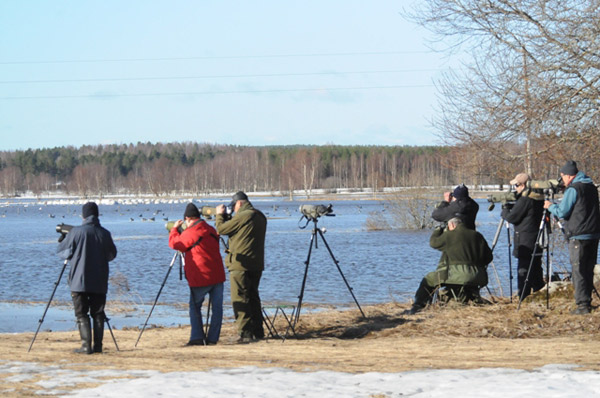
(465, 256)
(204, 271)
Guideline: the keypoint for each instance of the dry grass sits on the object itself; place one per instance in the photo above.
(449, 336)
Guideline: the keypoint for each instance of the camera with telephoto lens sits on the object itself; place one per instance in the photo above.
(312, 212)
(63, 230)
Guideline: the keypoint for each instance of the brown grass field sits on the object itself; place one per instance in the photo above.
(443, 336)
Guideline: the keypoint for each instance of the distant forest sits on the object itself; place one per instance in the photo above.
(194, 168)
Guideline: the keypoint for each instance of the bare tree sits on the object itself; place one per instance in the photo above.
(531, 86)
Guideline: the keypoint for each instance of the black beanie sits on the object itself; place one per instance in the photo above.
(461, 192)
(191, 211)
(570, 168)
(89, 209)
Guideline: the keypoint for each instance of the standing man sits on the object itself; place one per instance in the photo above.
(89, 248)
(245, 262)
(526, 215)
(465, 256)
(580, 210)
(457, 204)
(204, 272)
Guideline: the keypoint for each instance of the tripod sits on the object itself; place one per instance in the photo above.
(62, 271)
(313, 241)
(175, 256)
(494, 243)
(542, 241)
(181, 265)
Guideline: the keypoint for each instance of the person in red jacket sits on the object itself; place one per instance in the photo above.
(199, 243)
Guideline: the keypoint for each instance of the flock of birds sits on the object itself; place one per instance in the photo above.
(154, 215)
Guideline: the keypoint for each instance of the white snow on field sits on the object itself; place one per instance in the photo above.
(548, 381)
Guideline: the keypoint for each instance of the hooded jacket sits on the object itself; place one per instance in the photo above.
(199, 244)
(89, 248)
(579, 208)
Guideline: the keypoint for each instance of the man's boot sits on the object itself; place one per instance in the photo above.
(85, 332)
(98, 332)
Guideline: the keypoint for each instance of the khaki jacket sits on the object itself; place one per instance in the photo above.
(246, 230)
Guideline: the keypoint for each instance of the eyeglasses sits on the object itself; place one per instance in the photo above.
(517, 185)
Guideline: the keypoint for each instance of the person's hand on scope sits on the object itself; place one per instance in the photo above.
(221, 209)
(177, 224)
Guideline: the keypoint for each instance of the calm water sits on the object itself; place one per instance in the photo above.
(380, 266)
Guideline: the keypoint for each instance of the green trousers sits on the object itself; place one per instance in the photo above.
(245, 301)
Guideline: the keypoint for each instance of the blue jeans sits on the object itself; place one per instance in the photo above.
(215, 294)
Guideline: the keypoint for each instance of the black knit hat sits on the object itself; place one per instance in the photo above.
(570, 168)
(89, 209)
(191, 211)
(461, 191)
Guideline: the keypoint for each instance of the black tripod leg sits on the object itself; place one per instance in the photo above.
(337, 264)
(510, 273)
(306, 263)
(48, 305)
(111, 332)
(533, 254)
(208, 307)
(157, 296)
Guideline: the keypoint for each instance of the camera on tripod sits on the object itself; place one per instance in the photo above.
(63, 229)
(312, 212)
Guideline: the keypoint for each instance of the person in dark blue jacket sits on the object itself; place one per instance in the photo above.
(89, 248)
(580, 209)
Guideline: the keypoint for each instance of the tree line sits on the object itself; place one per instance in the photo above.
(171, 168)
(194, 168)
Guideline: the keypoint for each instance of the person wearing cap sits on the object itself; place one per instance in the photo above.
(526, 215)
(199, 244)
(463, 263)
(457, 204)
(89, 248)
(580, 210)
(245, 261)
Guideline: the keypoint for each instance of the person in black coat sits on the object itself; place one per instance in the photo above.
(526, 216)
(457, 204)
(89, 248)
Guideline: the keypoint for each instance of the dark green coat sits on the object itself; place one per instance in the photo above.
(246, 231)
(465, 256)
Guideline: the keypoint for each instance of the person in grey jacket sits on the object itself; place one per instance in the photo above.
(89, 248)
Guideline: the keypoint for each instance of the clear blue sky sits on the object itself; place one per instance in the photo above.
(244, 72)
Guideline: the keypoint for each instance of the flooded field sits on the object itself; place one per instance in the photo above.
(380, 266)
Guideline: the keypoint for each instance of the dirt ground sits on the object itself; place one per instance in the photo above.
(443, 336)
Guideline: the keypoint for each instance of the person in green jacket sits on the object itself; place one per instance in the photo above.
(245, 261)
(465, 256)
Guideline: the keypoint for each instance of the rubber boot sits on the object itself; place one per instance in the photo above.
(85, 332)
(98, 332)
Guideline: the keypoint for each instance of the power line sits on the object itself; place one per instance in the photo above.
(212, 76)
(343, 54)
(217, 92)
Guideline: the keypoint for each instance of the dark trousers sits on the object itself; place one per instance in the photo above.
(536, 275)
(583, 255)
(246, 304)
(92, 303)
